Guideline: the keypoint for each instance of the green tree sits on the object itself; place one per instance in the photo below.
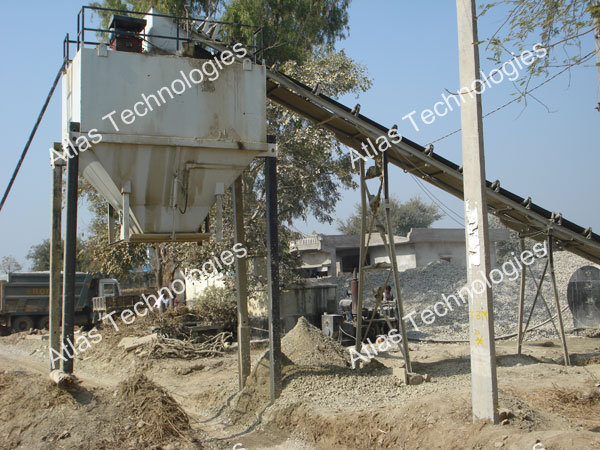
(411, 214)
(95, 253)
(195, 8)
(312, 166)
(9, 264)
(292, 28)
(39, 255)
(559, 25)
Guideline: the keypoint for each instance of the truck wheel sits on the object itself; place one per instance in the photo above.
(22, 323)
(43, 323)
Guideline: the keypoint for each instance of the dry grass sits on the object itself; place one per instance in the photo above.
(580, 405)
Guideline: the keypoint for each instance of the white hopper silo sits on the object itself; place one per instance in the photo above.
(167, 164)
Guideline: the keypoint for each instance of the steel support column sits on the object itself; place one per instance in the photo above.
(521, 300)
(273, 277)
(363, 255)
(394, 263)
(241, 284)
(561, 327)
(68, 312)
(55, 260)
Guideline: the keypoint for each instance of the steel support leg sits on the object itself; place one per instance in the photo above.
(273, 276)
(55, 260)
(537, 293)
(69, 264)
(521, 300)
(394, 262)
(363, 255)
(241, 284)
(561, 327)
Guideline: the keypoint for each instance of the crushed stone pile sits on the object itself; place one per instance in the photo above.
(306, 345)
(422, 287)
(304, 349)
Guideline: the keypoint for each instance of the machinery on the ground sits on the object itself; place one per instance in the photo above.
(583, 294)
(24, 298)
(376, 320)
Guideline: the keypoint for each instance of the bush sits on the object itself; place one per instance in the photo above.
(218, 304)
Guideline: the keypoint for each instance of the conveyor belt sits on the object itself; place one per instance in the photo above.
(517, 213)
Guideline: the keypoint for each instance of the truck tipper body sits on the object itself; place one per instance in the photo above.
(25, 296)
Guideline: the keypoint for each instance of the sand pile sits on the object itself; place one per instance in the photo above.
(303, 348)
(306, 345)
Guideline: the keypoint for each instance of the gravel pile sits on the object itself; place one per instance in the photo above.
(306, 345)
(422, 287)
(305, 350)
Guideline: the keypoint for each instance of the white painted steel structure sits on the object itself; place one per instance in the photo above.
(176, 157)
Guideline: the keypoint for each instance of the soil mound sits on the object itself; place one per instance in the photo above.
(306, 345)
(158, 414)
(303, 349)
(256, 395)
(36, 413)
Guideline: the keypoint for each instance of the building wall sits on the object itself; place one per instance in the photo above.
(194, 286)
(309, 301)
(405, 256)
(453, 252)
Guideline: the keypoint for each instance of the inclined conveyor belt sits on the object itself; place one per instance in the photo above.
(517, 213)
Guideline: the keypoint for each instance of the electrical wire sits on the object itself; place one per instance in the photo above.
(449, 211)
(585, 58)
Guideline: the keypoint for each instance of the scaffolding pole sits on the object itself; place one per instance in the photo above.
(363, 254)
(521, 299)
(394, 263)
(561, 327)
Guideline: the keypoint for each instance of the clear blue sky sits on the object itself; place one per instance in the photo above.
(410, 49)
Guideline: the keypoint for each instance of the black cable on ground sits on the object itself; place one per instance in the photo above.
(31, 136)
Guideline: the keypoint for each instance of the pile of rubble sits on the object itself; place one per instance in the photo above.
(421, 288)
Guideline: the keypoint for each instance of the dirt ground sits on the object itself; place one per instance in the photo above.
(324, 403)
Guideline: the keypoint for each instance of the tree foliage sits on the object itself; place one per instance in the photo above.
(411, 214)
(9, 264)
(194, 8)
(39, 255)
(115, 260)
(292, 28)
(312, 166)
(559, 25)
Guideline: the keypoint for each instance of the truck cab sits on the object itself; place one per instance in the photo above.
(108, 287)
(24, 298)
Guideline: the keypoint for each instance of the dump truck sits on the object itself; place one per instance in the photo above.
(103, 305)
(24, 298)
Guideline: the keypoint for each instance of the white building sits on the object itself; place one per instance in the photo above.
(330, 255)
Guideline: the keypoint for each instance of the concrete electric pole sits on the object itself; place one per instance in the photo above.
(484, 385)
